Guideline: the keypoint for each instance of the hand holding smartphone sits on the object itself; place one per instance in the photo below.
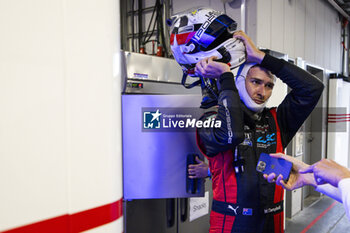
(268, 165)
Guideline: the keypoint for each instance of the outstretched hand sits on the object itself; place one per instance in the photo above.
(327, 171)
(253, 53)
(199, 170)
(296, 180)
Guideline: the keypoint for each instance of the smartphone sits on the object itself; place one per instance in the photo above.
(268, 165)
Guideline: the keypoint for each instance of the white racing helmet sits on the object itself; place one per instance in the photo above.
(202, 33)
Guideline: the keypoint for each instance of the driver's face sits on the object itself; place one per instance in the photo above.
(259, 85)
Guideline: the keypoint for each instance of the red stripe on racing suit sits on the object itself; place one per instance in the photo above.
(279, 191)
(223, 182)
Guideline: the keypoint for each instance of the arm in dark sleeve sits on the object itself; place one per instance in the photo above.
(230, 134)
(300, 101)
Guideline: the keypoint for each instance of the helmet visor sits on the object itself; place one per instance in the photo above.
(206, 40)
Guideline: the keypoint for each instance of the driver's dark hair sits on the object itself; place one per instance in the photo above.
(264, 69)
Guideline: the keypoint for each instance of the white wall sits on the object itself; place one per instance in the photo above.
(338, 147)
(301, 28)
(60, 139)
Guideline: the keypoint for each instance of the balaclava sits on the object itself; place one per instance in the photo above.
(243, 93)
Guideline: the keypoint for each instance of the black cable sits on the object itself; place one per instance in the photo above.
(160, 19)
(149, 25)
(140, 23)
(157, 19)
(151, 41)
(133, 25)
(154, 26)
(150, 34)
(160, 29)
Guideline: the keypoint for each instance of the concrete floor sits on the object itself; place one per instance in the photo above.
(323, 216)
